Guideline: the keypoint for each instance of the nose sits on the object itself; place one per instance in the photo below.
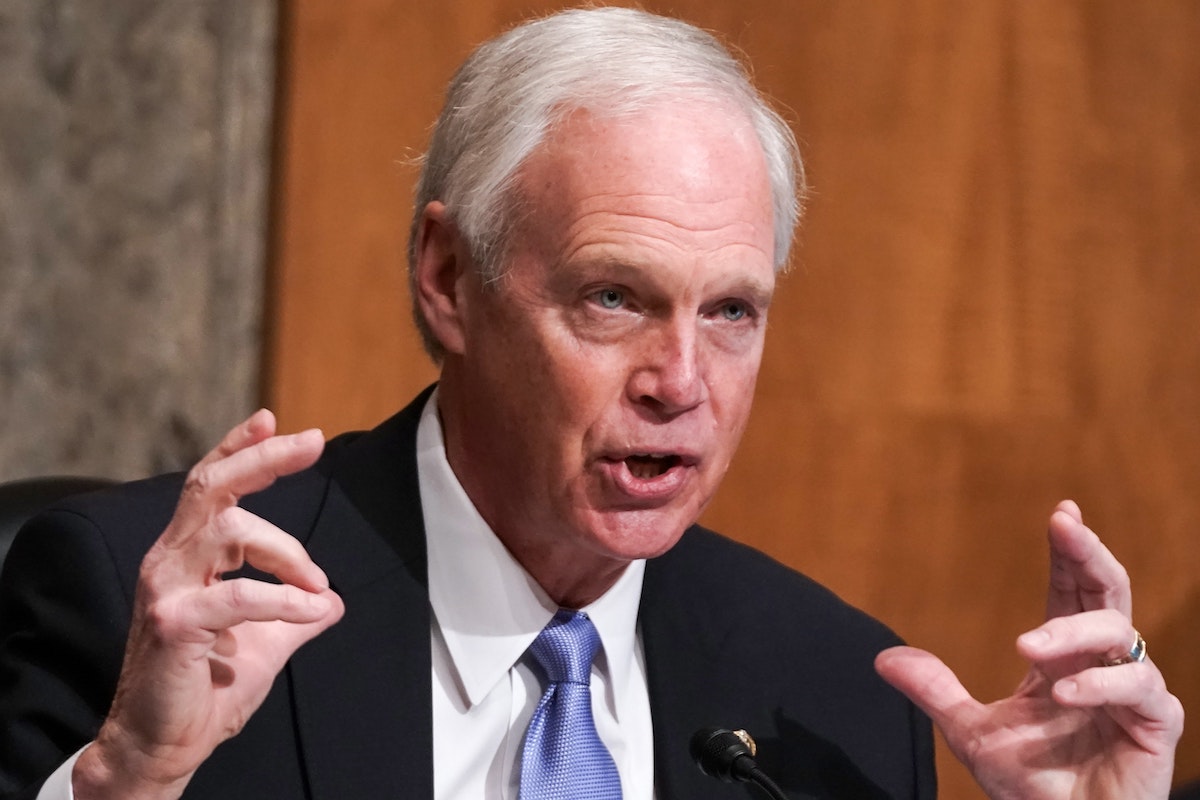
(669, 374)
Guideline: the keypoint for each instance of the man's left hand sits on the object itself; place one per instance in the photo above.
(1074, 728)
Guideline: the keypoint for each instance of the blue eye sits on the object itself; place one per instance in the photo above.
(733, 311)
(610, 298)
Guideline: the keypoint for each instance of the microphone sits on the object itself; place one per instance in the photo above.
(729, 756)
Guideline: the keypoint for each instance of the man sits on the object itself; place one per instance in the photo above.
(599, 223)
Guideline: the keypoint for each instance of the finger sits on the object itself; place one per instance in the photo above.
(213, 486)
(1105, 634)
(1137, 695)
(234, 537)
(253, 429)
(1084, 574)
(1071, 509)
(239, 537)
(267, 548)
(228, 603)
(274, 640)
(254, 468)
(932, 686)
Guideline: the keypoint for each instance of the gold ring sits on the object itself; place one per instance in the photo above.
(1137, 653)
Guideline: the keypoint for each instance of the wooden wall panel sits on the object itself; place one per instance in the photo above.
(993, 305)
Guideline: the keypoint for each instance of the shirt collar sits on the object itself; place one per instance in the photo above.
(487, 607)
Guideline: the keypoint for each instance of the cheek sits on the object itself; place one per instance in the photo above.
(561, 390)
(731, 391)
(588, 377)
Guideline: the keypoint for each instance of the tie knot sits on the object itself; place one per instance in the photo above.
(566, 646)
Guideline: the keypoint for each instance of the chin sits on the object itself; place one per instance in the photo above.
(640, 534)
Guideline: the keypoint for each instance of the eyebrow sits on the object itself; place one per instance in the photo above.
(609, 268)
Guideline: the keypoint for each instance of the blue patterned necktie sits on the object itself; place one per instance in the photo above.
(564, 758)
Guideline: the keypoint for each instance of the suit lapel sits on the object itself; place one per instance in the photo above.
(682, 641)
(361, 690)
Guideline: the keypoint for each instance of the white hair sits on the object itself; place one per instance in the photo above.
(613, 61)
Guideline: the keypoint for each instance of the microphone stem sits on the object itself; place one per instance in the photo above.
(760, 779)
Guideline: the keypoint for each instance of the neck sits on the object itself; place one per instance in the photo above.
(572, 589)
(570, 573)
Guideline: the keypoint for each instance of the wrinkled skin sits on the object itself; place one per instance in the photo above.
(593, 399)
(1074, 728)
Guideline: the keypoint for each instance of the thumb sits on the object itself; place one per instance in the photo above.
(925, 680)
(286, 638)
(309, 631)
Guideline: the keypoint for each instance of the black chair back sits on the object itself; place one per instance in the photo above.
(21, 499)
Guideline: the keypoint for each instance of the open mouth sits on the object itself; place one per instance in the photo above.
(650, 465)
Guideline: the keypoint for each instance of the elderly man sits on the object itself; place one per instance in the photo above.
(523, 604)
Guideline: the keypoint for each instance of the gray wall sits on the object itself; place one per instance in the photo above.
(134, 147)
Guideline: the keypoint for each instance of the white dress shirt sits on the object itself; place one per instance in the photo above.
(487, 610)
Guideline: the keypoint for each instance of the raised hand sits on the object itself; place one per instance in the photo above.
(203, 651)
(1075, 727)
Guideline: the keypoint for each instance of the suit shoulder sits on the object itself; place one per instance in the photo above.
(733, 581)
(733, 637)
(129, 517)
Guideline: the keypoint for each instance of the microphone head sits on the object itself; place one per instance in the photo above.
(723, 754)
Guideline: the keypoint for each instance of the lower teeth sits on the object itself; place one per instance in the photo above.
(644, 470)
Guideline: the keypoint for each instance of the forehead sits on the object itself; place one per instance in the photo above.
(688, 168)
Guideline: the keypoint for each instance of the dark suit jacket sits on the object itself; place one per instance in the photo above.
(732, 639)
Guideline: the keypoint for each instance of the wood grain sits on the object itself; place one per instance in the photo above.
(993, 305)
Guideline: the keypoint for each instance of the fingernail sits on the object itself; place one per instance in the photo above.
(311, 433)
(1067, 688)
(1037, 638)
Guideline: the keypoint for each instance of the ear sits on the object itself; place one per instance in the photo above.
(442, 258)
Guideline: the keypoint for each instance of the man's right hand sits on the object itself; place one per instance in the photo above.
(202, 651)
